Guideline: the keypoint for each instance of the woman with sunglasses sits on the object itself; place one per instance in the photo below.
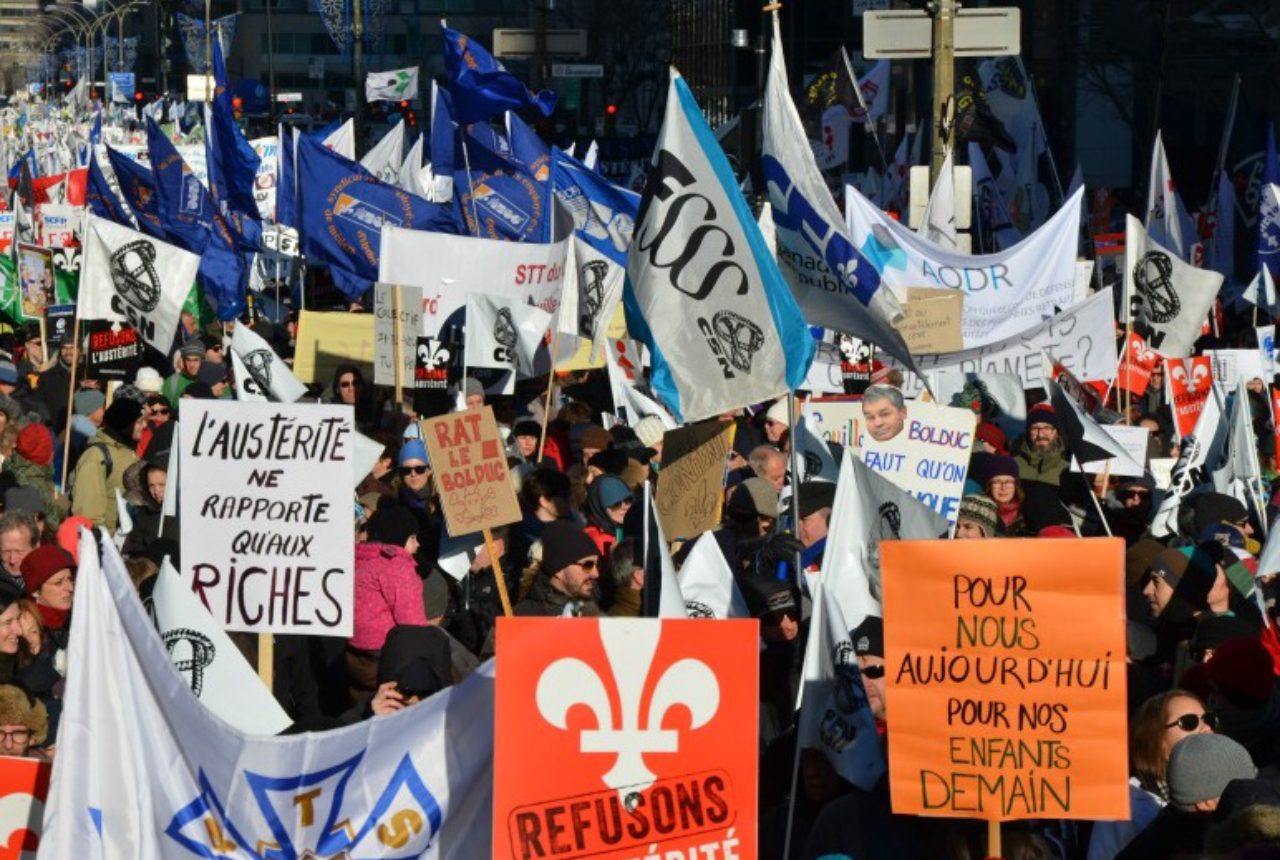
(1160, 722)
(608, 501)
(349, 388)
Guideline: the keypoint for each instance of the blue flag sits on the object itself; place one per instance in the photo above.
(139, 191)
(341, 209)
(442, 133)
(95, 130)
(603, 213)
(501, 199)
(481, 87)
(100, 199)
(287, 179)
(1268, 214)
(232, 163)
(527, 148)
(703, 291)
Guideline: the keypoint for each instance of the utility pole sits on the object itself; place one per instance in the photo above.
(207, 71)
(944, 77)
(357, 67)
(271, 68)
(539, 43)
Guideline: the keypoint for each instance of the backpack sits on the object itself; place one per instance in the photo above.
(106, 462)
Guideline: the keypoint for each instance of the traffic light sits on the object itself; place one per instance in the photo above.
(409, 119)
(138, 97)
(237, 107)
(611, 110)
(610, 118)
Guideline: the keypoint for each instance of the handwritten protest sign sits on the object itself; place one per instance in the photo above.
(691, 482)
(924, 451)
(470, 466)
(1190, 381)
(932, 320)
(24, 788)
(326, 340)
(267, 541)
(665, 773)
(385, 328)
(1005, 674)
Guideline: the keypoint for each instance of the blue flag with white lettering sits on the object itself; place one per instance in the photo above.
(1268, 213)
(603, 213)
(99, 197)
(481, 87)
(501, 199)
(232, 163)
(342, 208)
(138, 188)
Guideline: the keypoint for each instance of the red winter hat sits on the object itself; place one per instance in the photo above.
(69, 534)
(992, 435)
(35, 443)
(1042, 413)
(1240, 668)
(42, 563)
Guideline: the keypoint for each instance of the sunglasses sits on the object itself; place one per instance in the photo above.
(587, 564)
(625, 503)
(875, 673)
(160, 410)
(1191, 722)
(413, 470)
(1131, 494)
(349, 384)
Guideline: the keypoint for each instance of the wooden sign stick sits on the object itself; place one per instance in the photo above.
(71, 394)
(267, 660)
(993, 839)
(498, 576)
(395, 337)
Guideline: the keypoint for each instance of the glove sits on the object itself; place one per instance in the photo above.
(779, 548)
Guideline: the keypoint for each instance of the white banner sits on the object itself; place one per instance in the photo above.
(1004, 293)
(1134, 442)
(389, 302)
(267, 538)
(164, 778)
(264, 181)
(1079, 338)
(447, 268)
(1231, 365)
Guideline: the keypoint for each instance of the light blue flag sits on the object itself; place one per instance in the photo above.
(705, 294)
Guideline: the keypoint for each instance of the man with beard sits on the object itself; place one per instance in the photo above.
(568, 576)
(1041, 455)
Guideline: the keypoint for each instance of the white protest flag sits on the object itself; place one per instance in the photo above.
(592, 290)
(703, 292)
(939, 223)
(124, 520)
(1000, 396)
(833, 284)
(1241, 473)
(626, 396)
(1163, 222)
(873, 92)
(209, 662)
(366, 455)
(657, 558)
(1200, 455)
(1261, 291)
(592, 154)
(1086, 439)
(247, 388)
(816, 461)
(413, 176)
(992, 213)
(895, 175)
(393, 86)
(707, 584)
(386, 157)
(502, 333)
(265, 368)
(1005, 292)
(129, 277)
(1172, 298)
(342, 140)
(144, 771)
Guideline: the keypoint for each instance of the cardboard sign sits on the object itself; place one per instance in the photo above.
(1190, 381)
(1134, 442)
(1005, 676)
(326, 340)
(925, 452)
(1230, 365)
(623, 738)
(267, 537)
(469, 462)
(24, 788)
(933, 320)
(59, 323)
(114, 350)
(384, 332)
(35, 278)
(691, 482)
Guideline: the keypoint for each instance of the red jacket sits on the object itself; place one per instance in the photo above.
(388, 591)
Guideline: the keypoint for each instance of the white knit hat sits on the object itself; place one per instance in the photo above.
(778, 412)
(649, 430)
(148, 380)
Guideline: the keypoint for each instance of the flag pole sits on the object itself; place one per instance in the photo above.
(71, 393)
(399, 347)
(551, 381)
(498, 577)
(267, 660)
(466, 160)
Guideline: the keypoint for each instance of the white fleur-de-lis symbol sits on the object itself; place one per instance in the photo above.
(629, 647)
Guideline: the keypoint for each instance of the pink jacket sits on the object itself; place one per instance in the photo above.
(388, 592)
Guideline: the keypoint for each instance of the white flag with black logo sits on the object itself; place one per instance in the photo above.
(384, 160)
(704, 292)
(129, 277)
(393, 86)
(209, 661)
(1164, 215)
(247, 388)
(1201, 454)
(503, 333)
(1170, 298)
(266, 370)
(591, 294)
(816, 461)
(707, 585)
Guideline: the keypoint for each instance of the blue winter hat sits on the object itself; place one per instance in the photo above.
(612, 490)
(413, 449)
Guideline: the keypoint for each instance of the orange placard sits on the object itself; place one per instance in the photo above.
(469, 463)
(24, 788)
(1005, 674)
(620, 738)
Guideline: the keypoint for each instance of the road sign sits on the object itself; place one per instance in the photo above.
(523, 43)
(288, 97)
(199, 88)
(908, 35)
(577, 70)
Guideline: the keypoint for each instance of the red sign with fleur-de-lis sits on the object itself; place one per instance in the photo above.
(1190, 382)
(1134, 374)
(615, 735)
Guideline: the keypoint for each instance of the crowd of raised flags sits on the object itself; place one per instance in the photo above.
(677, 311)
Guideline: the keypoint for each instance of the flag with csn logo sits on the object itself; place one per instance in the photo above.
(165, 778)
(617, 738)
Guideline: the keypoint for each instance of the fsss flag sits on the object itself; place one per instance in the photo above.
(614, 735)
(698, 256)
(392, 86)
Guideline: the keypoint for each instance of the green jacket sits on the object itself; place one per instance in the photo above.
(1044, 466)
(28, 474)
(93, 491)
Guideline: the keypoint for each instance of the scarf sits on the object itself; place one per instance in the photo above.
(1009, 512)
(54, 619)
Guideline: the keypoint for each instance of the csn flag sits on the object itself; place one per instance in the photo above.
(166, 778)
(131, 277)
(503, 333)
(1171, 298)
(266, 369)
(698, 258)
(393, 86)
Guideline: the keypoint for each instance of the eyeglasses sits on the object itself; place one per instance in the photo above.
(413, 470)
(350, 383)
(1191, 722)
(16, 736)
(875, 673)
(160, 410)
(587, 564)
(1130, 494)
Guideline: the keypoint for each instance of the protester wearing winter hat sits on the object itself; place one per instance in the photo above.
(190, 358)
(32, 466)
(977, 517)
(148, 380)
(1240, 687)
(1041, 455)
(649, 431)
(87, 408)
(524, 436)
(1201, 767)
(100, 469)
(214, 375)
(776, 423)
(568, 579)
(608, 500)
(24, 723)
(1004, 487)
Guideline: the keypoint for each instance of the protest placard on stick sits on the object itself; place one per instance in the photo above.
(1005, 674)
(691, 484)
